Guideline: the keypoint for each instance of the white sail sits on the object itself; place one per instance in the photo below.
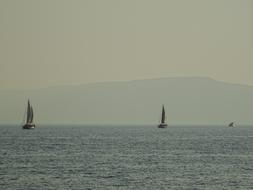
(163, 115)
(28, 113)
(29, 117)
(163, 123)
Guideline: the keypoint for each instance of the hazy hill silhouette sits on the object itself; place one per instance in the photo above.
(190, 100)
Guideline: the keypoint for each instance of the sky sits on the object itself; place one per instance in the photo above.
(62, 42)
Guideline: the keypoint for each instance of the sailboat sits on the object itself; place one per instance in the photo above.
(163, 124)
(232, 124)
(29, 117)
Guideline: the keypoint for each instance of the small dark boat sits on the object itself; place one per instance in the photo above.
(232, 124)
(29, 117)
(163, 124)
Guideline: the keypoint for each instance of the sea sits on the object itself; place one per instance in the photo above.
(76, 157)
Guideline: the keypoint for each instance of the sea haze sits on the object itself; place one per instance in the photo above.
(190, 100)
(129, 157)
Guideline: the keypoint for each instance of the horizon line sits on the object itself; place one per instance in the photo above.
(129, 124)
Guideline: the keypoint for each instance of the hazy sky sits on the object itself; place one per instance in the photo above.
(55, 42)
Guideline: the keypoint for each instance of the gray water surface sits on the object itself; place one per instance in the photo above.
(126, 157)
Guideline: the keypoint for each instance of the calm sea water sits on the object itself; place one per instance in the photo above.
(126, 157)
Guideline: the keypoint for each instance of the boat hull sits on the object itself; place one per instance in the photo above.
(29, 126)
(162, 125)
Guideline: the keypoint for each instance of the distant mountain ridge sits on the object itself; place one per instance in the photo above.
(188, 100)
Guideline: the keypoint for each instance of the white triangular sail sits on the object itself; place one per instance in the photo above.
(163, 123)
(29, 117)
(29, 113)
(163, 115)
